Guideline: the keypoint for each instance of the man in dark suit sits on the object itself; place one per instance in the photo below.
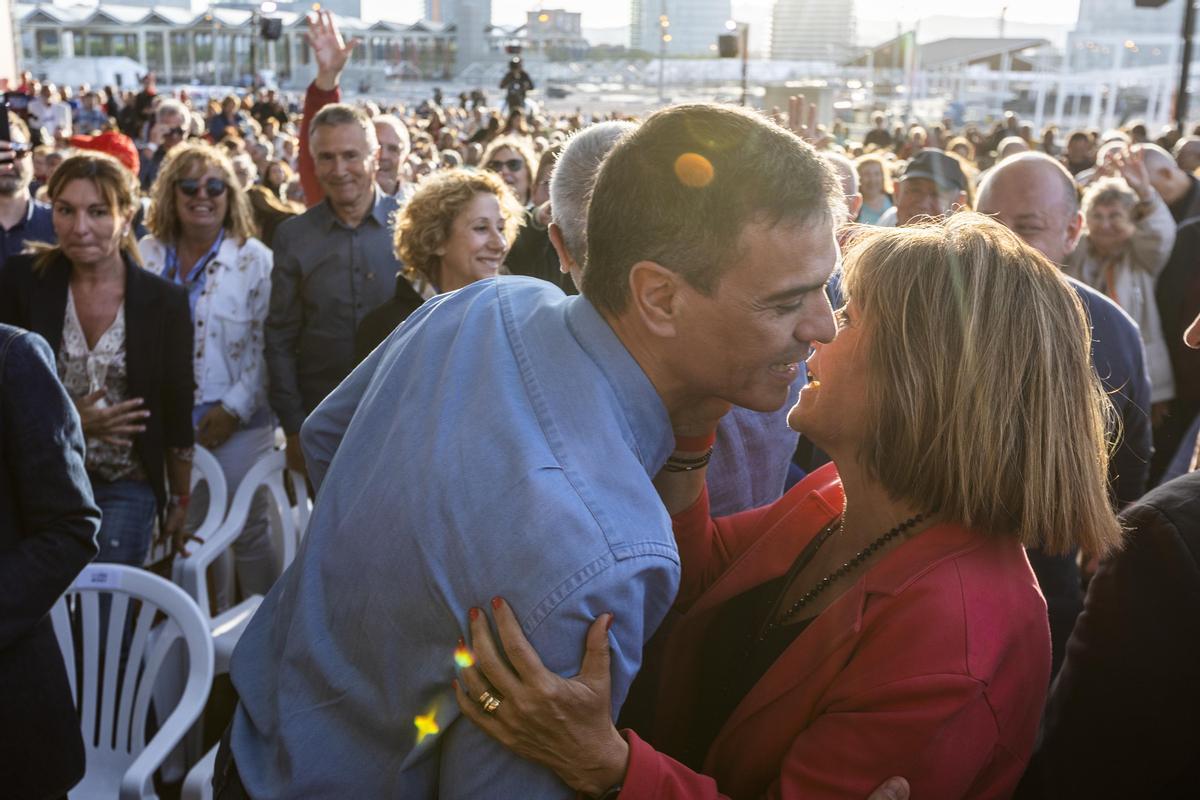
(1121, 719)
(1034, 195)
(48, 525)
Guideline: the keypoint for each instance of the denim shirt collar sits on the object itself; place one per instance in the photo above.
(652, 438)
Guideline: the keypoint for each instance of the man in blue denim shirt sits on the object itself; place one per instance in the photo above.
(503, 441)
(48, 525)
(753, 451)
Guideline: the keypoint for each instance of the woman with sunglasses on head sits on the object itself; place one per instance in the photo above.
(512, 159)
(202, 238)
(881, 618)
(122, 339)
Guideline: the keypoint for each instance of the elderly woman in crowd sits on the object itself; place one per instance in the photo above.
(456, 230)
(123, 342)
(1130, 233)
(512, 159)
(875, 186)
(202, 239)
(880, 618)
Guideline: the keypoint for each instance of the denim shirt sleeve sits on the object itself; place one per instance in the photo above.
(51, 509)
(638, 591)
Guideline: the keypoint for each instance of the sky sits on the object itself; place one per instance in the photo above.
(613, 13)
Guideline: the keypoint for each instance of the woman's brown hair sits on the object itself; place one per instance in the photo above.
(116, 184)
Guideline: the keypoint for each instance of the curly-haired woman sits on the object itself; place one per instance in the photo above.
(456, 230)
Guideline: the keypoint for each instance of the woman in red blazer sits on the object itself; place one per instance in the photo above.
(881, 618)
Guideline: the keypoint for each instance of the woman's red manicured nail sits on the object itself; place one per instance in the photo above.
(497, 602)
(473, 613)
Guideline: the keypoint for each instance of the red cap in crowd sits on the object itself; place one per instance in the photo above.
(117, 145)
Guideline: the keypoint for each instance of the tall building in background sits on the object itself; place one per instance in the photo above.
(812, 30)
(470, 19)
(695, 25)
(1146, 35)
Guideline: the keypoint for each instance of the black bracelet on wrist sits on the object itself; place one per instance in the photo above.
(675, 464)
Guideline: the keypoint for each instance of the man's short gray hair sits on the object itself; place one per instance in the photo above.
(336, 114)
(1108, 191)
(170, 105)
(393, 122)
(574, 178)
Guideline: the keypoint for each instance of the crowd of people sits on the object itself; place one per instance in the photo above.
(777, 461)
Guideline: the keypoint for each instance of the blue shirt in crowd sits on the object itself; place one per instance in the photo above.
(752, 455)
(501, 442)
(36, 226)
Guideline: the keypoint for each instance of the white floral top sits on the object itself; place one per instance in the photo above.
(228, 348)
(84, 370)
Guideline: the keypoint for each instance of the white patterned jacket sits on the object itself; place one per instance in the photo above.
(227, 346)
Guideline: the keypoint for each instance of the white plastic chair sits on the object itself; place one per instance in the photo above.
(120, 762)
(267, 473)
(205, 470)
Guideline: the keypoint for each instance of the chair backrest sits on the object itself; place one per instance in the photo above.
(205, 470)
(268, 474)
(115, 626)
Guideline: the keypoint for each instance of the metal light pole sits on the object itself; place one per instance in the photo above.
(1181, 99)
(745, 42)
(664, 24)
(253, 46)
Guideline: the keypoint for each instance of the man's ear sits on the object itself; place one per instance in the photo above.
(566, 263)
(854, 205)
(1074, 229)
(655, 297)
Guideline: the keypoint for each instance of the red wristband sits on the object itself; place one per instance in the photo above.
(695, 444)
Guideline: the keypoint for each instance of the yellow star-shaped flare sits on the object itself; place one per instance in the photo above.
(426, 726)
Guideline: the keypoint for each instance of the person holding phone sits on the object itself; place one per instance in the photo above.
(22, 219)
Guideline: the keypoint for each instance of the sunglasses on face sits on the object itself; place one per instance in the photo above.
(175, 132)
(511, 164)
(213, 187)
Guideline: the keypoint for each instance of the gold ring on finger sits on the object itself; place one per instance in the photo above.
(489, 702)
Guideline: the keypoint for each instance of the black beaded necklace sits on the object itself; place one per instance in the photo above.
(845, 569)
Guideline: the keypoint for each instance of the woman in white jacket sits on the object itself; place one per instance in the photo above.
(1130, 233)
(202, 237)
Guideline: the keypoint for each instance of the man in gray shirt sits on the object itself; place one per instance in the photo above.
(334, 264)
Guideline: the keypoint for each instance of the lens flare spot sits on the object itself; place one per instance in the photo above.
(463, 657)
(694, 170)
(426, 725)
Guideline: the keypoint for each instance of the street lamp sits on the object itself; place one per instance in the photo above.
(664, 38)
(265, 7)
